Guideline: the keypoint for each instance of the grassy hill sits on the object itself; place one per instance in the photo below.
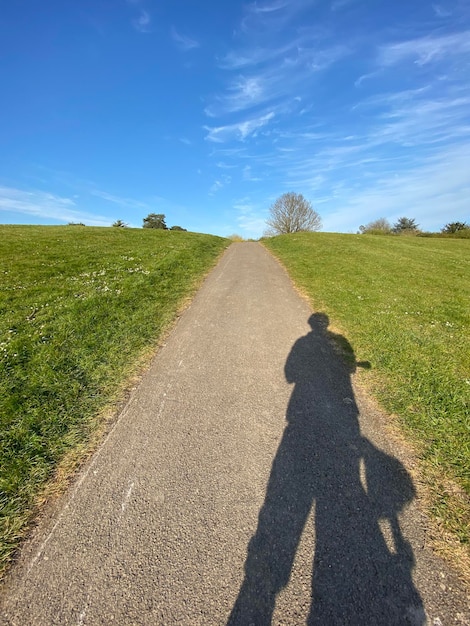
(80, 309)
(404, 305)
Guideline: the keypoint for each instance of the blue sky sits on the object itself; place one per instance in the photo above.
(208, 111)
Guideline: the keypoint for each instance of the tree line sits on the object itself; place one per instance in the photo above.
(292, 213)
(153, 220)
(408, 226)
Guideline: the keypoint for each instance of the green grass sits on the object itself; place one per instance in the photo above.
(78, 308)
(404, 304)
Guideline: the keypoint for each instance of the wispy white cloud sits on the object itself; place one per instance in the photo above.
(421, 193)
(269, 65)
(128, 203)
(252, 225)
(219, 184)
(276, 81)
(183, 42)
(318, 58)
(380, 151)
(243, 93)
(248, 174)
(408, 154)
(364, 77)
(337, 5)
(243, 205)
(267, 7)
(39, 204)
(236, 60)
(250, 217)
(425, 49)
(272, 16)
(142, 22)
(419, 117)
(441, 11)
(239, 131)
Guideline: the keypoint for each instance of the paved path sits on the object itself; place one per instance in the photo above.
(245, 482)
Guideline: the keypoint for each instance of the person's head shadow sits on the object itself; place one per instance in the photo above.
(361, 563)
(319, 323)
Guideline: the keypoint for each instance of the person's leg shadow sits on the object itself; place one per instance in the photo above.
(358, 576)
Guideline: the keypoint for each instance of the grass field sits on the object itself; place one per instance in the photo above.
(79, 306)
(404, 304)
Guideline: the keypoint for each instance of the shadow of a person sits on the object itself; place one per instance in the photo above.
(358, 577)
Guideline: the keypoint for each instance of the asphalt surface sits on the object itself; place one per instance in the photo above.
(247, 481)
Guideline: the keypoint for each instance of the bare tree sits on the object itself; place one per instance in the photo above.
(377, 227)
(292, 213)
